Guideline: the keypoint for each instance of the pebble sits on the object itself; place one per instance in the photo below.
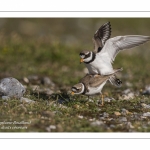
(122, 119)
(117, 113)
(106, 115)
(51, 127)
(26, 80)
(97, 123)
(107, 99)
(145, 106)
(129, 125)
(47, 81)
(147, 114)
(128, 96)
(147, 90)
(5, 97)
(125, 112)
(26, 100)
(81, 117)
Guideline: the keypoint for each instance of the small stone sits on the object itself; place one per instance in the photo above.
(47, 81)
(147, 114)
(81, 117)
(97, 123)
(125, 112)
(129, 125)
(117, 113)
(106, 115)
(26, 80)
(147, 90)
(107, 99)
(126, 91)
(30, 112)
(128, 96)
(145, 106)
(26, 100)
(112, 126)
(92, 119)
(51, 127)
(5, 97)
(122, 119)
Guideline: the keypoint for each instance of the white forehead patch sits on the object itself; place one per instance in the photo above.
(73, 90)
(82, 56)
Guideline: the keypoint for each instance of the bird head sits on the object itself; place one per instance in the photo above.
(77, 89)
(86, 56)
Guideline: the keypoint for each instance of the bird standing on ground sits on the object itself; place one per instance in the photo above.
(91, 84)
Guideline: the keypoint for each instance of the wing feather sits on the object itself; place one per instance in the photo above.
(101, 36)
(118, 43)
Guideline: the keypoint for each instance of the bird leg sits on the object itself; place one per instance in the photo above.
(102, 99)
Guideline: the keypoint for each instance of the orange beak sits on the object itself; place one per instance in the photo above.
(81, 60)
(72, 93)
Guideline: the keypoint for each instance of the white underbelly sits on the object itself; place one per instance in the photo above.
(95, 90)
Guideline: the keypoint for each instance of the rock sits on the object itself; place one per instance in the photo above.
(26, 80)
(147, 114)
(145, 106)
(97, 123)
(81, 117)
(12, 88)
(5, 97)
(129, 125)
(127, 91)
(122, 119)
(107, 99)
(147, 90)
(117, 113)
(125, 112)
(128, 96)
(47, 81)
(105, 115)
(26, 100)
(51, 127)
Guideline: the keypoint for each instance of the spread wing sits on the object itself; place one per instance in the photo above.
(118, 43)
(101, 36)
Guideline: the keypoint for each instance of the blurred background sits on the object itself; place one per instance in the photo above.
(50, 47)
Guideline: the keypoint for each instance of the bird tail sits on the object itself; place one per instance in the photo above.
(114, 80)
